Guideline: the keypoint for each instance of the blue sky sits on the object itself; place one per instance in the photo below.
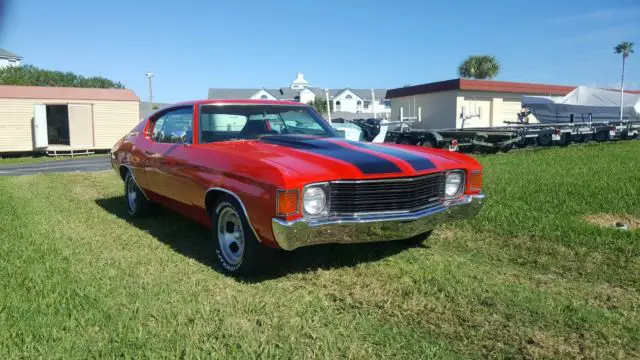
(356, 43)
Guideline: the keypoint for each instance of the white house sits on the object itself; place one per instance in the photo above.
(346, 102)
(9, 59)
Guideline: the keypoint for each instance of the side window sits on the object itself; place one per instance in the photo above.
(157, 128)
(176, 126)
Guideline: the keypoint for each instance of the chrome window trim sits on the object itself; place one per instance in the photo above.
(244, 210)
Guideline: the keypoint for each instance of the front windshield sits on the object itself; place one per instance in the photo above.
(232, 122)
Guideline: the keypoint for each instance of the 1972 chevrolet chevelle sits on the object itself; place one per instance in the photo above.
(274, 174)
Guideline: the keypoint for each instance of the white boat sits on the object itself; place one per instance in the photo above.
(583, 104)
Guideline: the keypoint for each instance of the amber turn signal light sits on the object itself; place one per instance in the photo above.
(288, 201)
(475, 181)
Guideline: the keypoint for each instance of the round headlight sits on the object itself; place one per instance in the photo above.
(314, 200)
(453, 184)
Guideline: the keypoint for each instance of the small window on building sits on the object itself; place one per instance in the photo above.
(348, 97)
(367, 104)
(337, 105)
(387, 103)
(264, 97)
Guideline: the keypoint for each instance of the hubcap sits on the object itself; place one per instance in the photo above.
(230, 236)
(131, 194)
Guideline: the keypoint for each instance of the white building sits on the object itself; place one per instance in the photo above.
(347, 103)
(465, 103)
(9, 59)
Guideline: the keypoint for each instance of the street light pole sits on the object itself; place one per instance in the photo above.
(326, 94)
(150, 75)
(373, 103)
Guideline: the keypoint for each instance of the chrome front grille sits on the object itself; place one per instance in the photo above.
(388, 195)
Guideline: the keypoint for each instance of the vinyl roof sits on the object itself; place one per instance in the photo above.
(66, 93)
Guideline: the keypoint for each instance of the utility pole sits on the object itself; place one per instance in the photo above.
(150, 76)
(373, 104)
(326, 94)
(622, 90)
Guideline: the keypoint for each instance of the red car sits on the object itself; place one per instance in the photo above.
(275, 174)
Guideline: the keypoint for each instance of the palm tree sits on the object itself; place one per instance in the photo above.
(479, 67)
(625, 48)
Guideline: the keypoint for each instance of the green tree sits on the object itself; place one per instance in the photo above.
(625, 48)
(320, 104)
(479, 67)
(29, 75)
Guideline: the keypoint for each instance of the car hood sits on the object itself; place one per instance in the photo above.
(312, 159)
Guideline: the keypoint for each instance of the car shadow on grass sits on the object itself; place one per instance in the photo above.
(194, 241)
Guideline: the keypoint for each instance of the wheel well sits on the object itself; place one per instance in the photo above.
(211, 198)
(123, 171)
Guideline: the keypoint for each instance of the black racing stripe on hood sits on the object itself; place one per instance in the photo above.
(417, 162)
(365, 162)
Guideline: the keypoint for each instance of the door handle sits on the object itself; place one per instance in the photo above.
(150, 153)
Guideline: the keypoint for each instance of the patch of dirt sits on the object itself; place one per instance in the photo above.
(610, 220)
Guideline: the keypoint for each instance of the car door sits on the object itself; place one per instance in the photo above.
(167, 161)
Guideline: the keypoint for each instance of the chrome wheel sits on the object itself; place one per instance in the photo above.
(132, 194)
(230, 236)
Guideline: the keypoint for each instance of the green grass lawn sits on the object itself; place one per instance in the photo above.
(528, 278)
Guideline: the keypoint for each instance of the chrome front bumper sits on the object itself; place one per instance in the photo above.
(380, 227)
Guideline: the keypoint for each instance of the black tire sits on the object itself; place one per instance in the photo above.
(248, 257)
(366, 134)
(137, 204)
(416, 240)
(625, 135)
(506, 148)
(544, 140)
(565, 139)
(601, 136)
(522, 143)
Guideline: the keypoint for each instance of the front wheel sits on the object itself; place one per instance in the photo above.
(238, 251)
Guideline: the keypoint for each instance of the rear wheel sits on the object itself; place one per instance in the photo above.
(238, 251)
(137, 204)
